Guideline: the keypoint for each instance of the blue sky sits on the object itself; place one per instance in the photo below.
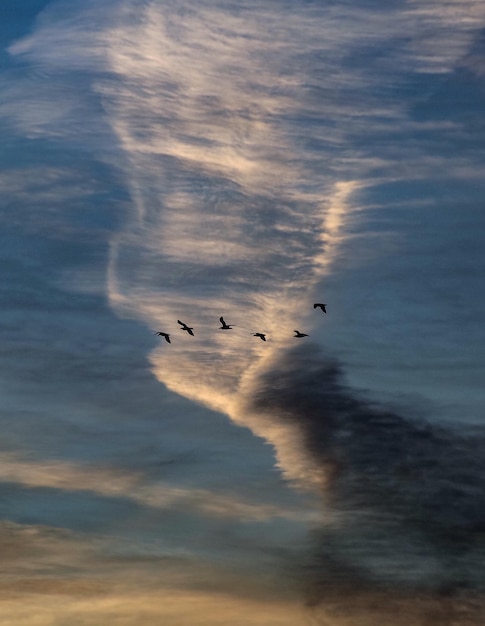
(170, 161)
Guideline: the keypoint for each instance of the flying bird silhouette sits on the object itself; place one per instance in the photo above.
(189, 329)
(224, 325)
(260, 335)
(166, 335)
(299, 334)
(321, 306)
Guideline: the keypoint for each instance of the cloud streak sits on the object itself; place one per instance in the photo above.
(113, 483)
(54, 576)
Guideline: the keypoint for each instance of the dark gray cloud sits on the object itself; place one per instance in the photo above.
(407, 498)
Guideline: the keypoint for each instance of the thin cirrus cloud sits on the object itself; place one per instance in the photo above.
(279, 228)
(98, 579)
(112, 483)
(228, 205)
(88, 602)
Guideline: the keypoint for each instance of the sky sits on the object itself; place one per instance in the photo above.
(168, 160)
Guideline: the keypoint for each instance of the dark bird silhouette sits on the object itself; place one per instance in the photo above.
(166, 335)
(299, 334)
(321, 306)
(189, 329)
(224, 325)
(260, 335)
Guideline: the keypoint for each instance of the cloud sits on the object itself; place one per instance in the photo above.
(53, 575)
(129, 529)
(407, 497)
(241, 152)
(245, 155)
(129, 607)
(474, 60)
(113, 483)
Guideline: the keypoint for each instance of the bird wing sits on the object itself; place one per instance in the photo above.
(167, 338)
(181, 323)
(190, 331)
(221, 319)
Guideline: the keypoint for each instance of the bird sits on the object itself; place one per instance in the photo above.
(224, 325)
(321, 306)
(189, 329)
(299, 334)
(260, 335)
(166, 335)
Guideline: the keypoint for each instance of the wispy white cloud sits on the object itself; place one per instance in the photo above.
(242, 135)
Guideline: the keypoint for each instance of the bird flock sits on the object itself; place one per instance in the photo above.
(225, 326)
